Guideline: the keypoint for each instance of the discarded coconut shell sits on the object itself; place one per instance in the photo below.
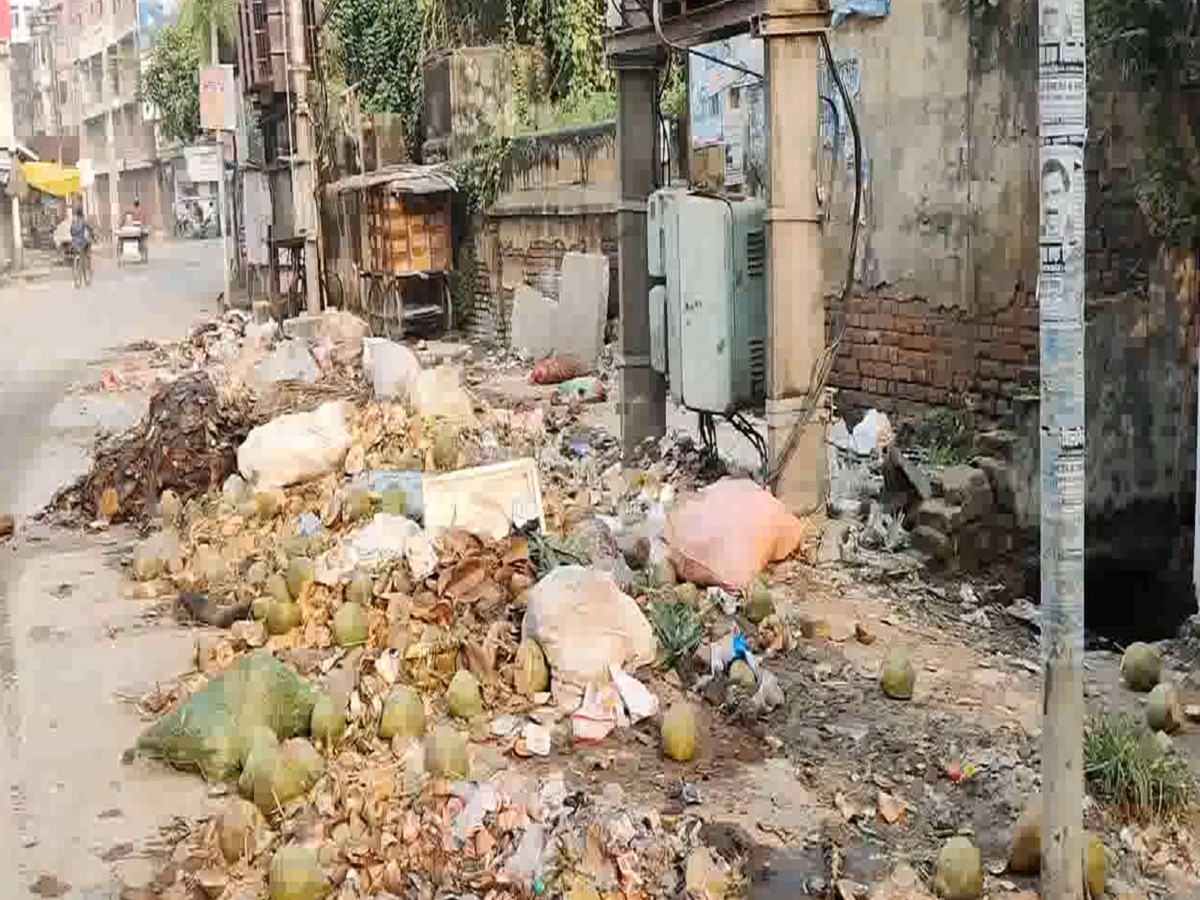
(531, 672)
(1025, 858)
(236, 827)
(300, 574)
(742, 675)
(1095, 865)
(268, 504)
(1164, 709)
(170, 507)
(463, 695)
(403, 715)
(358, 506)
(274, 777)
(958, 874)
(283, 617)
(679, 732)
(1141, 667)
(897, 678)
(296, 874)
(261, 753)
(760, 603)
(446, 753)
(277, 589)
(361, 590)
(260, 607)
(350, 625)
(328, 725)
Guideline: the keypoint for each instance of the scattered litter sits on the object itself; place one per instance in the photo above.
(588, 389)
(557, 369)
(391, 368)
(585, 626)
(639, 702)
(295, 447)
(488, 501)
(728, 533)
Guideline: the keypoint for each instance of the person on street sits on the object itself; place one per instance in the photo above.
(81, 238)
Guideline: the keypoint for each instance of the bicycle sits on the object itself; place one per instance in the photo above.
(81, 267)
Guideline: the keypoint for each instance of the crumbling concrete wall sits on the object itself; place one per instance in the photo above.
(943, 306)
(559, 195)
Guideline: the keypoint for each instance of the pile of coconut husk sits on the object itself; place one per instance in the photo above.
(186, 443)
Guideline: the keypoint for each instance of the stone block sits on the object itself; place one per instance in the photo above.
(967, 488)
(936, 543)
(902, 475)
(998, 444)
(335, 324)
(534, 321)
(937, 513)
(583, 297)
(1000, 478)
(573, 325)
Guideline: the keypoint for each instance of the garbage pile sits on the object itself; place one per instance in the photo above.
(414, 592)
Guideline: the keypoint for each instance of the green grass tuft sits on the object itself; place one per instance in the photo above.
(1127, 767)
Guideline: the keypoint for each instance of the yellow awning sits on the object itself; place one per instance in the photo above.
(51, 178)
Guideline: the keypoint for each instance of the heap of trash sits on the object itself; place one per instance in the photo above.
(406, 592)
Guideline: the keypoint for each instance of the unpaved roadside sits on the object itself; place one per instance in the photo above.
(70, 645)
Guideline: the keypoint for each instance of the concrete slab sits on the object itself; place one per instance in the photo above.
(574, 324)
(534, 322)
(583, 301)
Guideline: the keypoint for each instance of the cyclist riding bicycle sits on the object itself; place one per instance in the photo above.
(81, 238)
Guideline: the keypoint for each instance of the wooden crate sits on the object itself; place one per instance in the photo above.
(409, 233)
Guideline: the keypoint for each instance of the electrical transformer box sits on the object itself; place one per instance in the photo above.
(708, 302)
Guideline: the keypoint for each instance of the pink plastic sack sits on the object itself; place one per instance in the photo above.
(728, 533)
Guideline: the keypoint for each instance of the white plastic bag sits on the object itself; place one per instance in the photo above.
(584, 625)
(392, 368)
(296, 447)
(290, 361)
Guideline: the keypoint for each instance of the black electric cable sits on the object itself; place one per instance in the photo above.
(824, 365)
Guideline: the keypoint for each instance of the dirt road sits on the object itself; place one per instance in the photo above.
(70, 646)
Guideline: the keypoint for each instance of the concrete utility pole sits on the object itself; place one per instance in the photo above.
(223, 215)
(8, 134)
(643, 390)
(791, 32)
(304, 195)
(1062, 118)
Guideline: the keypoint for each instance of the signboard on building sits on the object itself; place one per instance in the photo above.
(218, 98)
(5, 21)
(87, 173)
(203, 163)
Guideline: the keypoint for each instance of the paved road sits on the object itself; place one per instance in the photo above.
(68, 641)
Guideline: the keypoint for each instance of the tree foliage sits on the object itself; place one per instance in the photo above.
(197, 17)
(171, 82)
(381, 46)
(1153, 48)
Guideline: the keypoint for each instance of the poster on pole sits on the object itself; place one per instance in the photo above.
(218, 98)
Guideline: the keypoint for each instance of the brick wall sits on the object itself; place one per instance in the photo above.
(903, 355)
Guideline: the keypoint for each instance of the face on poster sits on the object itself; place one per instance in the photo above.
(1062, 191)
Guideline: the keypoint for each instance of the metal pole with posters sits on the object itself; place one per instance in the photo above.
(1062, 119)
(219, 114)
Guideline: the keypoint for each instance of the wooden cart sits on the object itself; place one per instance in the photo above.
(394, 233)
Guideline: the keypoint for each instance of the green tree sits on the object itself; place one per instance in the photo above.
(381, 43)
(171, 82)
(209, 20)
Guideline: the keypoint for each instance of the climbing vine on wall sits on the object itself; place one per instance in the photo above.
(1154, 49)
(382, 45)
